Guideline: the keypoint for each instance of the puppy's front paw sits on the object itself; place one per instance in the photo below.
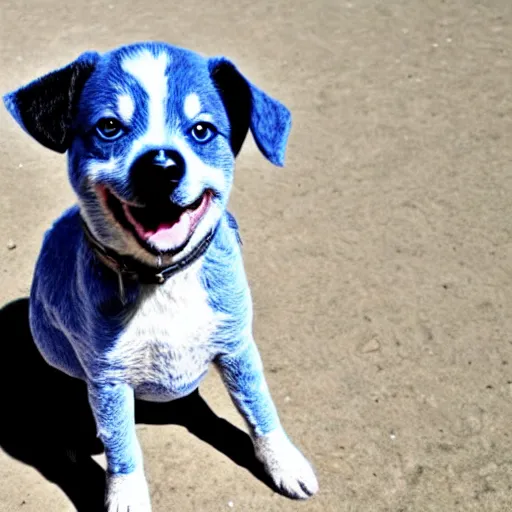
(288, 468)
(128, 493)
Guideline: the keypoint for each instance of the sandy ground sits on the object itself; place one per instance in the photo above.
(380, 258)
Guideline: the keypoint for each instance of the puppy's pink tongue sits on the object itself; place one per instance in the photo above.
(170, 236)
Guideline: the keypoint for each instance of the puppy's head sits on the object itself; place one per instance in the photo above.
(151, 133)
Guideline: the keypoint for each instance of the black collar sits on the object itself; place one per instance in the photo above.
(126, 266)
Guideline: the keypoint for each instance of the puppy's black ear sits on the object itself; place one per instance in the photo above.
(247, 106)
(45, 107)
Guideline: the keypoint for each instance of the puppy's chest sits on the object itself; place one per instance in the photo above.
(166, 346)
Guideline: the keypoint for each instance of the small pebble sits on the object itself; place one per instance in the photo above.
(231, 504)
(20, 166)
(372, 345)
(287, 399)
(392, 436)
(448, 39)
(11, 245)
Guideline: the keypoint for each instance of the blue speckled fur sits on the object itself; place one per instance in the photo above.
(122, 346)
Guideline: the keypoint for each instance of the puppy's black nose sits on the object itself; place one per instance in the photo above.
(156, 173)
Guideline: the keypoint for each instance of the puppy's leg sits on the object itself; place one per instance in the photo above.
(243, 374)
(113, 408)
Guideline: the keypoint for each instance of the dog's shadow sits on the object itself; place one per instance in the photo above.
(46, 421)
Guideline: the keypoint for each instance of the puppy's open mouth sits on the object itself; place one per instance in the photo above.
(158, 227)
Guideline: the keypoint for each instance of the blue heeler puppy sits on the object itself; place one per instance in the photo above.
(141, 286)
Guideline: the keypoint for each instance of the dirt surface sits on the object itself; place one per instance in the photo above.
(380, 258)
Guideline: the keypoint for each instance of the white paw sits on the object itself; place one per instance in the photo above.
(288, 468)
(128, 493)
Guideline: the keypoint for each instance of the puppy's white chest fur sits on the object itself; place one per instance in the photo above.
(165, 348)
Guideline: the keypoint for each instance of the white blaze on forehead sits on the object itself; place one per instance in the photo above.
(149, 70)
(125, 107)
(192, 105)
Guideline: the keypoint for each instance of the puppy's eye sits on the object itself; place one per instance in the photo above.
(203, 132)
(109, 128)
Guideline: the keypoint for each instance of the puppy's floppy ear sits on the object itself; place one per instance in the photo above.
(45, 107)
(247, 106)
